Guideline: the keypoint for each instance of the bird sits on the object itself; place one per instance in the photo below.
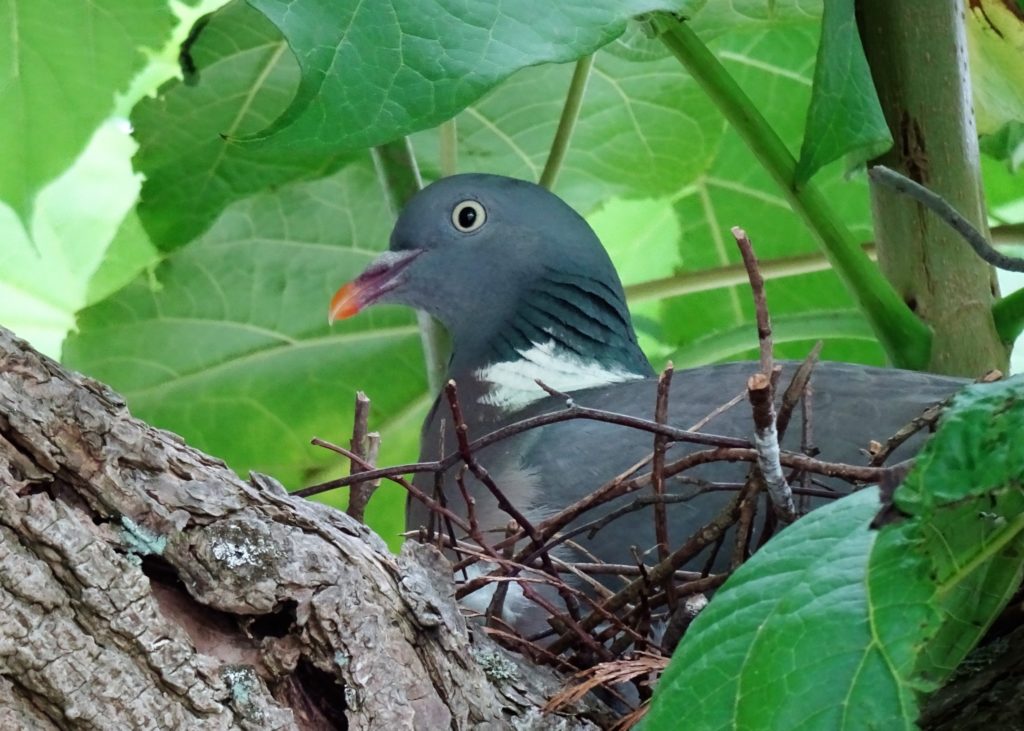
(528, 293)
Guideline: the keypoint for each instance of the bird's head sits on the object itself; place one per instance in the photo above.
(503, 264)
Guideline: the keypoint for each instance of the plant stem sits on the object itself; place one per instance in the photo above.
(1004, 238)
(906, 340)
(449, 147)
(567, 122)
(728, 275)
(400, 177)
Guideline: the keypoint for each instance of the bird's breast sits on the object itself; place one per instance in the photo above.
(512, 384)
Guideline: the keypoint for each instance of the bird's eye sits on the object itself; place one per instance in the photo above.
(468, 216)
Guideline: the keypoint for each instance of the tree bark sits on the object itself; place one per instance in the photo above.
(143, 584)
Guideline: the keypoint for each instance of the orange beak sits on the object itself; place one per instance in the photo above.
(344, 303)
(382, 276)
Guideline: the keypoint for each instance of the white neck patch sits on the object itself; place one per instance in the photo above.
(513, 382)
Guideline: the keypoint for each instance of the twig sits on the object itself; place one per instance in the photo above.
(693, 546)
(764, 323)
(359, 492)
(680, 621)
(766, 438)
(806, 440)
(718, 411)
(927, 418)
(797, 387)
(747, 509)
(657, 477)
(481, 474)
(496, 608)
(418, 494)
(569, 413)
(942, 208)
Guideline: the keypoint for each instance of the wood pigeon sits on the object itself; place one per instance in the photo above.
(527, 292)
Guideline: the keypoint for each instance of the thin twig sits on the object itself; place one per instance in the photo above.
(496, 607)
(764, 323)
(569, 413)
(807, 441)
(418, 494)
(927, 418)
(693, 546)
(657, 476)
(482, 475)
(359, 492)
(952, 217)
(795, 390)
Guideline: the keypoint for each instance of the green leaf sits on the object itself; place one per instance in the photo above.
(245, 77)
(45, 273)
(787, 642)
(626, 138)
(963, 543)
(372, 72)
(1007, 144)
(129, 253)
(717, 18)
(68, 56)
(228, 342)
(832, 625)
(845, 116)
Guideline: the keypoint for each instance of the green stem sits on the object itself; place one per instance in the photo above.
(905, 339)
(728, 276)
(449, 147)
(567, 122)
(1009, 316)
(400, 177)
(736, 341)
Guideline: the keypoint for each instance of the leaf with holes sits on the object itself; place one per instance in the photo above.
(245, 75)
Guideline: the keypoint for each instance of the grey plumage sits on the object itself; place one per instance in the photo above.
(530, 292)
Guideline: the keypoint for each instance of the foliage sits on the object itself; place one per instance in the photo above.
(201, 291)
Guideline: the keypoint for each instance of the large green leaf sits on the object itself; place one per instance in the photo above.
(734, 190)
(245, 76)
(787, 642)
(45, 277)
(832, 625)
(372, 72)
(963, 542)
(627, 138)
(61, 65)
(228, 342)
(845, 116)
(713, 19)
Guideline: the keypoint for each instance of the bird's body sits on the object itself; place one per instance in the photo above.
(528, 292)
